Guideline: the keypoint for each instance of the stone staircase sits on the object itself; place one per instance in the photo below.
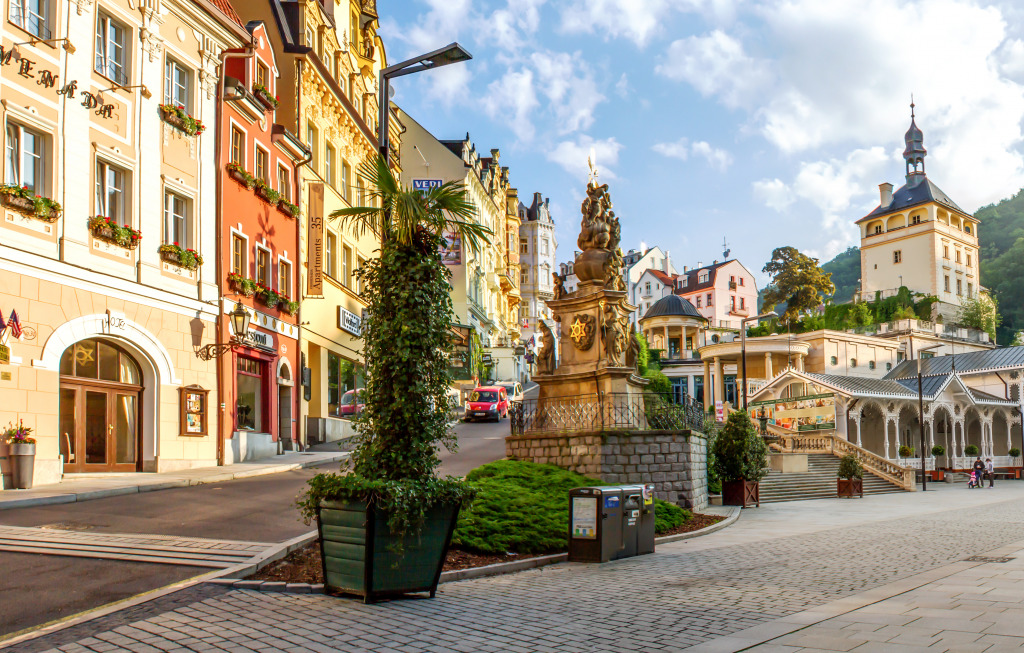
(818, 482)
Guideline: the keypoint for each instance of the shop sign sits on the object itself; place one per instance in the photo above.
(5, 355)
(450, 248)
(426, 185)
(47, 79)
(260, 339)
(520, 350)
(315, 242)
(719, 411)
(486, 359)
(349, 321)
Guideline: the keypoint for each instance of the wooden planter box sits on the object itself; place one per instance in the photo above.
(268, 300)
(239, 176)
(240, 289)
(262, 193)
(27, 207)
(172, 119)
(172, 258)
(741, 493)
(356, 550)
(284, 208)
(265, 99)
(849, 488)
(107, 234)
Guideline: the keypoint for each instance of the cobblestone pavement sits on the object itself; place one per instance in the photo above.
(778, 560)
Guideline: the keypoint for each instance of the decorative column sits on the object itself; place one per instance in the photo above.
(707, 385)
(887, 420)
(719, 380)
(768, 366)
(799, 362)
(856, 419)
(668, 350)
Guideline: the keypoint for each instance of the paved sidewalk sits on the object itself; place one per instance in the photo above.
(83, 487)
(787, 570)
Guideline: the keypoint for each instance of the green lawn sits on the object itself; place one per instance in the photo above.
(523, 507)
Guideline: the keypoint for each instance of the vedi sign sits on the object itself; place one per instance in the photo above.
(425, 185)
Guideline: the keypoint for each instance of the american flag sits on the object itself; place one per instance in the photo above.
(15, 324)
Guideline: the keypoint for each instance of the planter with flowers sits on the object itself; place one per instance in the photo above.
(241, 175)
(266, 193)
(24, 201)
(243, 285)
(177, 117)
(21, 449)
(286, 207)
(267, 296)
(288, 306)
(266, 99)
(107, 229)
(183, 257)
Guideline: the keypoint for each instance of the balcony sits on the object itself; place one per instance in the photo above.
(739, 312)
(507, 278)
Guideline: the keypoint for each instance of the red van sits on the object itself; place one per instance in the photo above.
(488, 402)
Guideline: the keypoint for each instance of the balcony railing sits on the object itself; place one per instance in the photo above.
(593, 413)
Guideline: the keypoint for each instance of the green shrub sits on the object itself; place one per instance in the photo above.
(523, 507)
(850, 467)
(906, 452)
(659, 383)
(740, 453)
(938, 450)
(971, 450)
(1014, 453)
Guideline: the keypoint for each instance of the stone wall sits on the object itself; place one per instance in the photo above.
(674, 461)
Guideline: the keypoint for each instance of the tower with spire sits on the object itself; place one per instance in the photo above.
(919, 238)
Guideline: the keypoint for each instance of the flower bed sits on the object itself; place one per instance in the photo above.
(177, 117)
(243, 285)
(22, 200)
(264, 96)
(183, 257)
(107, 229)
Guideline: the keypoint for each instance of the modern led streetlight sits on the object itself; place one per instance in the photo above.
(743, 347)
(920, 408)
(449, 54)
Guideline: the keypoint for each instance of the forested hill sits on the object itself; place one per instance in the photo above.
(1002, 263)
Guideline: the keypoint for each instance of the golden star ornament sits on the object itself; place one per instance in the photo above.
(577, 330)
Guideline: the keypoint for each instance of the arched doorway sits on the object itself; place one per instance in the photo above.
(100, 392)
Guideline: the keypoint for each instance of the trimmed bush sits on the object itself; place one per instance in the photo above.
(1014, 453)
(938, 450)
(523, 507)
(906, 452)
(850, 468)
(971, 450)
(739, 452)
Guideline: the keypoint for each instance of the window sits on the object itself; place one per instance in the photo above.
(25, 158)
(263, 266)
(249, 401)
(914, 220)
(741, 281)
(698, 301)
(359, 280)
(524, 246)
(237, 146)
(309, 37)
(346, 266)
(312, 137)
(647, 289)
(262, 75)
(360, 192)
(946, 286)
(524, 277)
(925, 355)
(897, 256)
(239, 265)
(871, 364)
(853, 362)
(957, 256)
(709, 300)
(284, 182)
(835, 360)
(329, 164)
(177, 227)
(330, 254)
(878, 229)
(945, 252)
(284, 278)
(970, 289)
(111, 55)
(110, 192)
(177, 84)
(732, 303)
(959, 287)
(544, 246)
(262, 166)
(31, 16)
(967, 228)
(968, 260)
(888, 366)
(346, 172)
(743, 303)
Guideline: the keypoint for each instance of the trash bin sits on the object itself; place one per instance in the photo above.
(610, 522)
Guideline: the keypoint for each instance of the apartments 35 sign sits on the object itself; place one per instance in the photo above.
(47, 79)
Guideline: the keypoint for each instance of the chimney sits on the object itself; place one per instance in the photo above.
(686, 269)
(665, 263)
(885, 193)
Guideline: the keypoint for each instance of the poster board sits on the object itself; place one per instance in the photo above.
(583, 524)
(808, 413)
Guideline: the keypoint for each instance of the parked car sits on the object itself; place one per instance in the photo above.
(352, 402)
(487, 402)
(513, 389)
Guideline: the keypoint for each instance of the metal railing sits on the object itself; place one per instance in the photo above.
(833, 444)
(592, 413)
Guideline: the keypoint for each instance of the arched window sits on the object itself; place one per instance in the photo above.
(853, 362)
(99, 360)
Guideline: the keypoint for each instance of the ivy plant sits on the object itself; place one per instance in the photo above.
(406, 342)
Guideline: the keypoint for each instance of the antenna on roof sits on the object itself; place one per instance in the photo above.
(725, 246)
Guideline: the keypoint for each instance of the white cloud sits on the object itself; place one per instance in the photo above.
(622, 88)
(512, 99)
(573, 155)
(682, 149)
(628, 19)
(774, 193)
(568, 83)
(715, 65)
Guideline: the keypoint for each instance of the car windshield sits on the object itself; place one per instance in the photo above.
(348, 398)
(485, 395)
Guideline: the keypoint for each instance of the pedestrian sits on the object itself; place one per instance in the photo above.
(972, 482)
(979, 470)
(991, 471)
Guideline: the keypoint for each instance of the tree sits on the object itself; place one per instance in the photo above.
(797, 280)
(981, 312)
(739, 452)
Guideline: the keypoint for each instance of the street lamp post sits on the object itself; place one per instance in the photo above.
(743, 347)
(920, 408)
(240, 319)
(449, 54)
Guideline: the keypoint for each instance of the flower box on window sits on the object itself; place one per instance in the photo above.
(24, 201)
(266, 193)
(183, 257)
(241, 175)
(107, 229)
(267, 296)
(288, 306)
(177, 117)
(243, 285)
(286, 207)
(264, 96)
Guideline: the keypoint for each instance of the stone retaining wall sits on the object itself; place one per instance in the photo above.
(674, 461)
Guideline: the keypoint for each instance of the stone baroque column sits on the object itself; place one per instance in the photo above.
(799, 362)
(768, 366)
(719, 381)
(707, 385)
(856, 418)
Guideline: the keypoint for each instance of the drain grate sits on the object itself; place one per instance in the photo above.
(987, 559)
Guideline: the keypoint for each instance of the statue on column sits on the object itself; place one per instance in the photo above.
(632, 350)
(559, 289)
(600, 258)
(614, 332)
(546, 358)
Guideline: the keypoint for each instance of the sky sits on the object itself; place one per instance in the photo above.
(764, 123)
